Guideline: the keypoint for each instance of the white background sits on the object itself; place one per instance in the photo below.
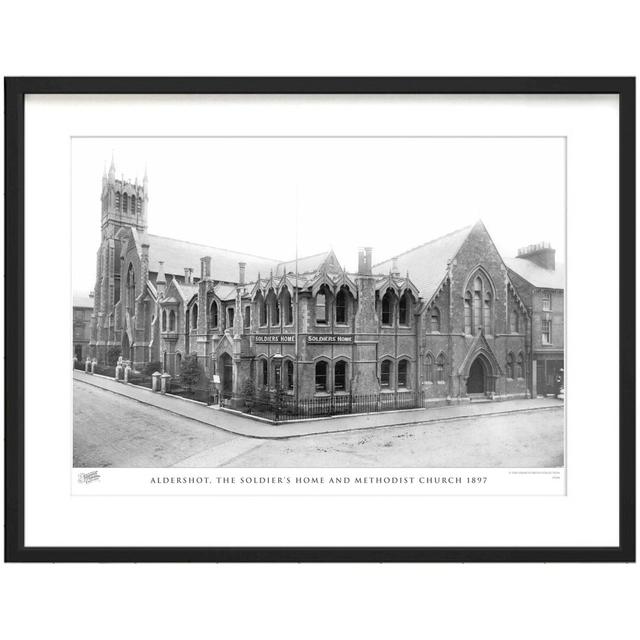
(54, 517)
(465, 38)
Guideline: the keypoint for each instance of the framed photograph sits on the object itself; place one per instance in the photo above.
(320, 319)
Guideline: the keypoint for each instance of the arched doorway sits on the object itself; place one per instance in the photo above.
(226, 374)
(477, 380)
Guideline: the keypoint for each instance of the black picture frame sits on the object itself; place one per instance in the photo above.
(15, 91)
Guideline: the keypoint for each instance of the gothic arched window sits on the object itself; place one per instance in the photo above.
(478, 305)
(194, 316)
(387, 308)
(264, 380)
(403, 309)
(467, 313)
(435, 320)
(403, 374)
(385, 373)
(287, 307)
(440, 368)
(514, 328)
(341, 306)
(321, 376)
(125, 201)
(487, 311)
(510, 365)
(131, 289)
(322, 314)
(262, 310)
(164, 320)
(289, 374)
(340, 376)
(214, 314)
(172, 320)
(133, 204)
(520, 365)
(247, 317)
(428, 368)
(274, 305)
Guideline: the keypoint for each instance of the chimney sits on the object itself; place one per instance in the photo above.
(364, 261)
(242, 271)
(394, 268)
(205, 268)
(541, 254)
(188, 275)
(161, 278)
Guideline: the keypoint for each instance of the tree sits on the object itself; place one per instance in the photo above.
(191, 371)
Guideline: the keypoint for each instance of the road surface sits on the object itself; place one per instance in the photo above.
(115, 431)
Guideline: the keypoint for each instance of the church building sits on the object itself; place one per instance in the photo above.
(446, 318)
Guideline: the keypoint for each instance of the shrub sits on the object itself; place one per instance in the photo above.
(151, 367)
(191, 371)
(249, 388)
(113, 353)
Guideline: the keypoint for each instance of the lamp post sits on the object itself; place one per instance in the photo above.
(277, 369)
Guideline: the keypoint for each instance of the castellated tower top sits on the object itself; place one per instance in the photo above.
(124, 203)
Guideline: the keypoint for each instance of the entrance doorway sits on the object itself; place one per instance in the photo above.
(476, 382)
(226, 374)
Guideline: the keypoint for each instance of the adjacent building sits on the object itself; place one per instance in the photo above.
(82, 314)
(540, 282)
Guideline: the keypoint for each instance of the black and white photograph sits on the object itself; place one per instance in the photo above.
(318, 302)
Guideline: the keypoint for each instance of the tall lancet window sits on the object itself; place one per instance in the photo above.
(125, 201)
(477, 304)
(487, 311)
(467, 313)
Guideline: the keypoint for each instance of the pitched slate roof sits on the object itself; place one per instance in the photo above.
(187, 290)
(178, 254)
(427, 263)
(82, 300)
(538, 276)
(308, 264)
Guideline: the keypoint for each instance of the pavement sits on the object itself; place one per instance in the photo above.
(249, 428)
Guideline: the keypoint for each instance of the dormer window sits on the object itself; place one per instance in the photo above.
(387, 309)
(321, 308)
(403, 309)
(435, 320)
(341, 307)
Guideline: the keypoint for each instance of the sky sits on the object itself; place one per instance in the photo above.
(388, 193)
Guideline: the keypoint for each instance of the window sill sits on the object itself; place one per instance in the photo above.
(440, 382)
(428, 382)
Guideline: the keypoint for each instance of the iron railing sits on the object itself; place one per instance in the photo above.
(284, 408)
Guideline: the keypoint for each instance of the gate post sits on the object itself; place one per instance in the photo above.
(87, 365)
(155, 381)
(127, 371)
(94, 362)
(164, 380)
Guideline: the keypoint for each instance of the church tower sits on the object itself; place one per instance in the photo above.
(123, 204)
